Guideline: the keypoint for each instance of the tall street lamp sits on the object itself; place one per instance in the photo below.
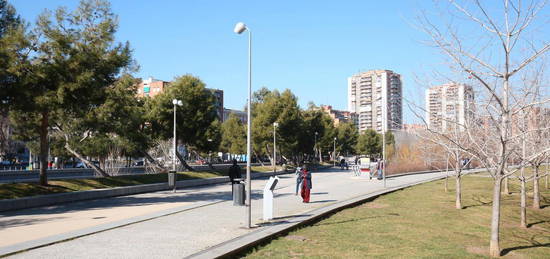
(275, 125)
(334, 153)
(176, 103)
(384, 125)
(240, 28)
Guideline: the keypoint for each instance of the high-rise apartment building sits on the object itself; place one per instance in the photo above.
(448, 105)
(372, 93)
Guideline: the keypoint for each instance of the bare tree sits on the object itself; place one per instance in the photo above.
(452, 140)
(493, 58)
(538, 135)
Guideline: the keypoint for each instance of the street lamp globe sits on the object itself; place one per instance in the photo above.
(240, 27)
(275, 124)
(177, 102)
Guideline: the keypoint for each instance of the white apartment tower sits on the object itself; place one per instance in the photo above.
(373, 93)
(447, 104)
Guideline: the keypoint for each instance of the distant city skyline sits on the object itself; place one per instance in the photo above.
(310, 48)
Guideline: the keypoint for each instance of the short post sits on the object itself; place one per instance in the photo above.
(172, 179)
(268, 197)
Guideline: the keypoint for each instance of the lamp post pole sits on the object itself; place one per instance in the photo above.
(334, 153)
(174, 140)
(384, 125)
(275, 125)
(176, 103)
(240, 28)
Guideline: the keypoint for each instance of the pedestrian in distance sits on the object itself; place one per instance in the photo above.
(306, 184)
(342, 164)
(298, 174)
(234, 172)
(379, 168)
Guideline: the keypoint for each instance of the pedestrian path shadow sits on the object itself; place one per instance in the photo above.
(283, 220)
(10, 223)
(134, 200)
(345, 221)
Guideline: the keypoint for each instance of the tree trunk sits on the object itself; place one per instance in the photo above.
(458, 191)
(86, 161)
(523, 193)
(506, 186)
(536, 193)
(494, 247)
(458, 202)
(447, 176)
(184, 163)
(446, 183)
(44, 123)
(154, 162)
(269, 155)
(257, 157)
(523, 222)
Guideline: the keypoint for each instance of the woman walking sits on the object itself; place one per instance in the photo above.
(306, 184)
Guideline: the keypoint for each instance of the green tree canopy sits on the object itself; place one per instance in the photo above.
(197, 121)
(346, 138)
(369, 143)
(233, 136)
(63, 68)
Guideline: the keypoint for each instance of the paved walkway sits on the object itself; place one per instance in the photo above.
(166, 224)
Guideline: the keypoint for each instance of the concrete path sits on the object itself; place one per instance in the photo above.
(168, 225)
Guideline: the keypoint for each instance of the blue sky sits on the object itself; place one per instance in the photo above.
(310, 47)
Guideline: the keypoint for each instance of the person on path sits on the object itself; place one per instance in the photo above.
(234, 172)
(298, 179)
(379, 168)
(306, 184)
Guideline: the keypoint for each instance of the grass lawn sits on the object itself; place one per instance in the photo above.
(262, 169)
(421, 222)
(18, 190)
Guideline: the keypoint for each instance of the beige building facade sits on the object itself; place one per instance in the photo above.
(340, 116)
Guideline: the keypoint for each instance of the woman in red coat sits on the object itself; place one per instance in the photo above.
(306, 184)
